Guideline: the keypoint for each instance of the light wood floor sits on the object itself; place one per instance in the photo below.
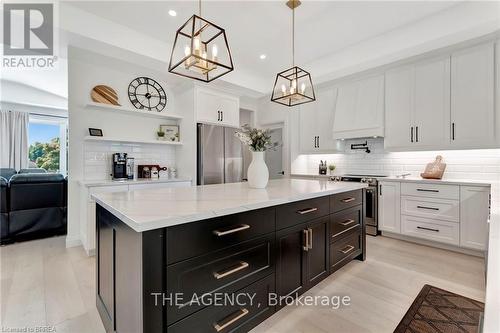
(43, 283)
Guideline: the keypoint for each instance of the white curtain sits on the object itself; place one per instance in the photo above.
(14, 139)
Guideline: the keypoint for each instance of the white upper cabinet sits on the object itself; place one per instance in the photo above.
(472, 97)
(432, 103)
(359, 109)
(216, 108)
(417, 107)
(399, 107)
(316, 123)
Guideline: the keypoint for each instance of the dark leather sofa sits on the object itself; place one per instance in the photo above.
(34, 205)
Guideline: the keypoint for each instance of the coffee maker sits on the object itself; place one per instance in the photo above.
(120, 166)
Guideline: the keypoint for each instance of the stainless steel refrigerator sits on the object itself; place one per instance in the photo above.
(220, 156)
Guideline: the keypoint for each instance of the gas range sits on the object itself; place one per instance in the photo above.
(368, 179)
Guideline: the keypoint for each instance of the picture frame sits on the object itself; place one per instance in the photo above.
(95, 132)
(171, 132)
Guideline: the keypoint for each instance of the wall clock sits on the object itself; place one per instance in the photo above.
(146, 93)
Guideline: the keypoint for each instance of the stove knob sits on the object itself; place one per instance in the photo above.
(363, 180)
(369, 180)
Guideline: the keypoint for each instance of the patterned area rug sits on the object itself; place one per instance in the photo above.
(439, 311)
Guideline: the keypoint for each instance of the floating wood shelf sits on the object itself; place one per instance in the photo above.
(137, 112)
(115, 139)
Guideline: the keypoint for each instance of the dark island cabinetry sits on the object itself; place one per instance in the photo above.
(152, 281)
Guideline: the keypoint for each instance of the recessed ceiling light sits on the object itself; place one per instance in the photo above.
(172, 12)
(262, 57)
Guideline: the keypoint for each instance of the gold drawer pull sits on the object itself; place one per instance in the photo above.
(346, 200)
(241, 265)
(231, 319)
(347, 222)
(307, 210)
(240, 227)
(347, 249)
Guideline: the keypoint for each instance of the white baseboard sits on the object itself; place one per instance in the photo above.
(433, 244)
(73, 241)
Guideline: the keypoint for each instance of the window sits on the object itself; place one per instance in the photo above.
(47, 138)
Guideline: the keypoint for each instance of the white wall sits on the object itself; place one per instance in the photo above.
(86, 70)
(478, 164)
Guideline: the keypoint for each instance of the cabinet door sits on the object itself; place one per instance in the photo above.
(325, 99)
(307, 128)
(230, 109)
(432, 104)
(318, 254)
(474, 211)
(290, 261)
(398, 108)
(472, 97)
(389, 207)
(207, 108)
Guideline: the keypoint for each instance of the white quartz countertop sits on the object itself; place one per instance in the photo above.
(109, 182)
(413, 179)
(492, 303)
(149, 209)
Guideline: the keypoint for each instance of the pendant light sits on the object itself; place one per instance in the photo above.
(200, 50)
(294, 85)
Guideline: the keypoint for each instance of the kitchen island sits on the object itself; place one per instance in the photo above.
(176, 259)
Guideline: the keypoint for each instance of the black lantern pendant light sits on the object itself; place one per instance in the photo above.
(200, 50)
(294, 85)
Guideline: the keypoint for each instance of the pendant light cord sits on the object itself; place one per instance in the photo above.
(293, 34)
(199, 7)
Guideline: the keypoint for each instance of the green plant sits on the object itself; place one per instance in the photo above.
(331, 167)
(160, 134)
(45, 155)
(256, 139)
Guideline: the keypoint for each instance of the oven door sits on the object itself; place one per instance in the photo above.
(371, 208)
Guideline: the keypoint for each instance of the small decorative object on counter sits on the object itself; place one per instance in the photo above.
(322, 168)
(95, 132)
(160, 134)
(105, 95)
(434, 170)
(258, 141)
(331, 167)
(171, 132)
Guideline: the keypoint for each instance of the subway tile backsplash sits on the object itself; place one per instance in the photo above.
(98, 157)
(478, 164)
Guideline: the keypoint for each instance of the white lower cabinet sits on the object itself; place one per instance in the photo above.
(449, 214)
(88, 205)
(430, 229)
(474, 214)
(389, 212)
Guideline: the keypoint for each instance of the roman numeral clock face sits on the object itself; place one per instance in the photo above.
(146, 93)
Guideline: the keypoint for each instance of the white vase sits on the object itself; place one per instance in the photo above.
(258, 174)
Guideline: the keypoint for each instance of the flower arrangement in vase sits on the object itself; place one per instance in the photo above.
(258, 141)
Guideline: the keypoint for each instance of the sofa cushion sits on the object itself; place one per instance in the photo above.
(7, 172)
(33, 170)
(33, 191)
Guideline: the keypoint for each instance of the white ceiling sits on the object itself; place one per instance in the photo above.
(323, 28)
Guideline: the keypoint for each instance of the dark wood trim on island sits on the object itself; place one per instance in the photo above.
(284, 249)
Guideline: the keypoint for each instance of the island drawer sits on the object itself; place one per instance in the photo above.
(345, 248)
(241, 316)
(223, 271)
(345, 200)
(192, 239)
(345, 220)
(297, 212)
